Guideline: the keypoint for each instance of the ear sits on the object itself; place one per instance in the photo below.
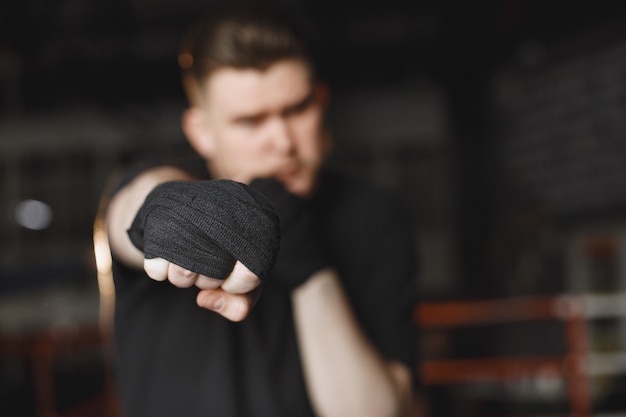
(198, 131)
(322, 94)
(327, 141)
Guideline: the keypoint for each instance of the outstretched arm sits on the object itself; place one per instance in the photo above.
(124, 207)
(231, 297)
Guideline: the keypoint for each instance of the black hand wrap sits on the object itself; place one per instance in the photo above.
(301, 254)
(205, 226)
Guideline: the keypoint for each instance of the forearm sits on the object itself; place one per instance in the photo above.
(345, 374)
(125, 205)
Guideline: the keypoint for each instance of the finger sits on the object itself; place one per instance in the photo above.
(208, 283)
(181, 277)
(241, 280)
(234, 307)
(156, 268)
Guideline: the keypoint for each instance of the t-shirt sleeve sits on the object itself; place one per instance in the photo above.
(185, 160)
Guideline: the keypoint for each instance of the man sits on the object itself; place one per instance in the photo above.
(327, 331)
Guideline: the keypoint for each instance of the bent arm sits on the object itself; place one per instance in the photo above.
(345, 374)
(124, 207)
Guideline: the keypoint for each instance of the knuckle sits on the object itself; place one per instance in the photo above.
(241, 280)
(185, 273)
(207, 283)
(181, 277)
(245, 278)
(156, 268)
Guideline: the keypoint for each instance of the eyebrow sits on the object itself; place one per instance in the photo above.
(303, 103)
(308, 99)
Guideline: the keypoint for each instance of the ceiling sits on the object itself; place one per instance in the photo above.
(68, 52)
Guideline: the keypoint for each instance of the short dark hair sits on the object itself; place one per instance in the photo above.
(237, 37)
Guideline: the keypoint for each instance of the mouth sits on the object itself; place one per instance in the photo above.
(288, 173)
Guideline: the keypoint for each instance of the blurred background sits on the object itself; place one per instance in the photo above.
(501, 121)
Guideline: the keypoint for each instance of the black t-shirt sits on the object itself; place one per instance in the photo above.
(177, 359)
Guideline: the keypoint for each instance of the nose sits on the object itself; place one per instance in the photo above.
(281, 136)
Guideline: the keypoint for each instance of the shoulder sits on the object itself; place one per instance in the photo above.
(343, 191)
(184, 159)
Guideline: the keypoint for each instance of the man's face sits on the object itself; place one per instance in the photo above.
(265, 124)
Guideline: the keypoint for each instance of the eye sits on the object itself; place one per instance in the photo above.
(248, 121)
(300, 107)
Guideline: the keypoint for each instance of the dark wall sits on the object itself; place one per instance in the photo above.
(119, 58)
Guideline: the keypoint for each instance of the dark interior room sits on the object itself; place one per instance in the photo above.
(500, 122)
